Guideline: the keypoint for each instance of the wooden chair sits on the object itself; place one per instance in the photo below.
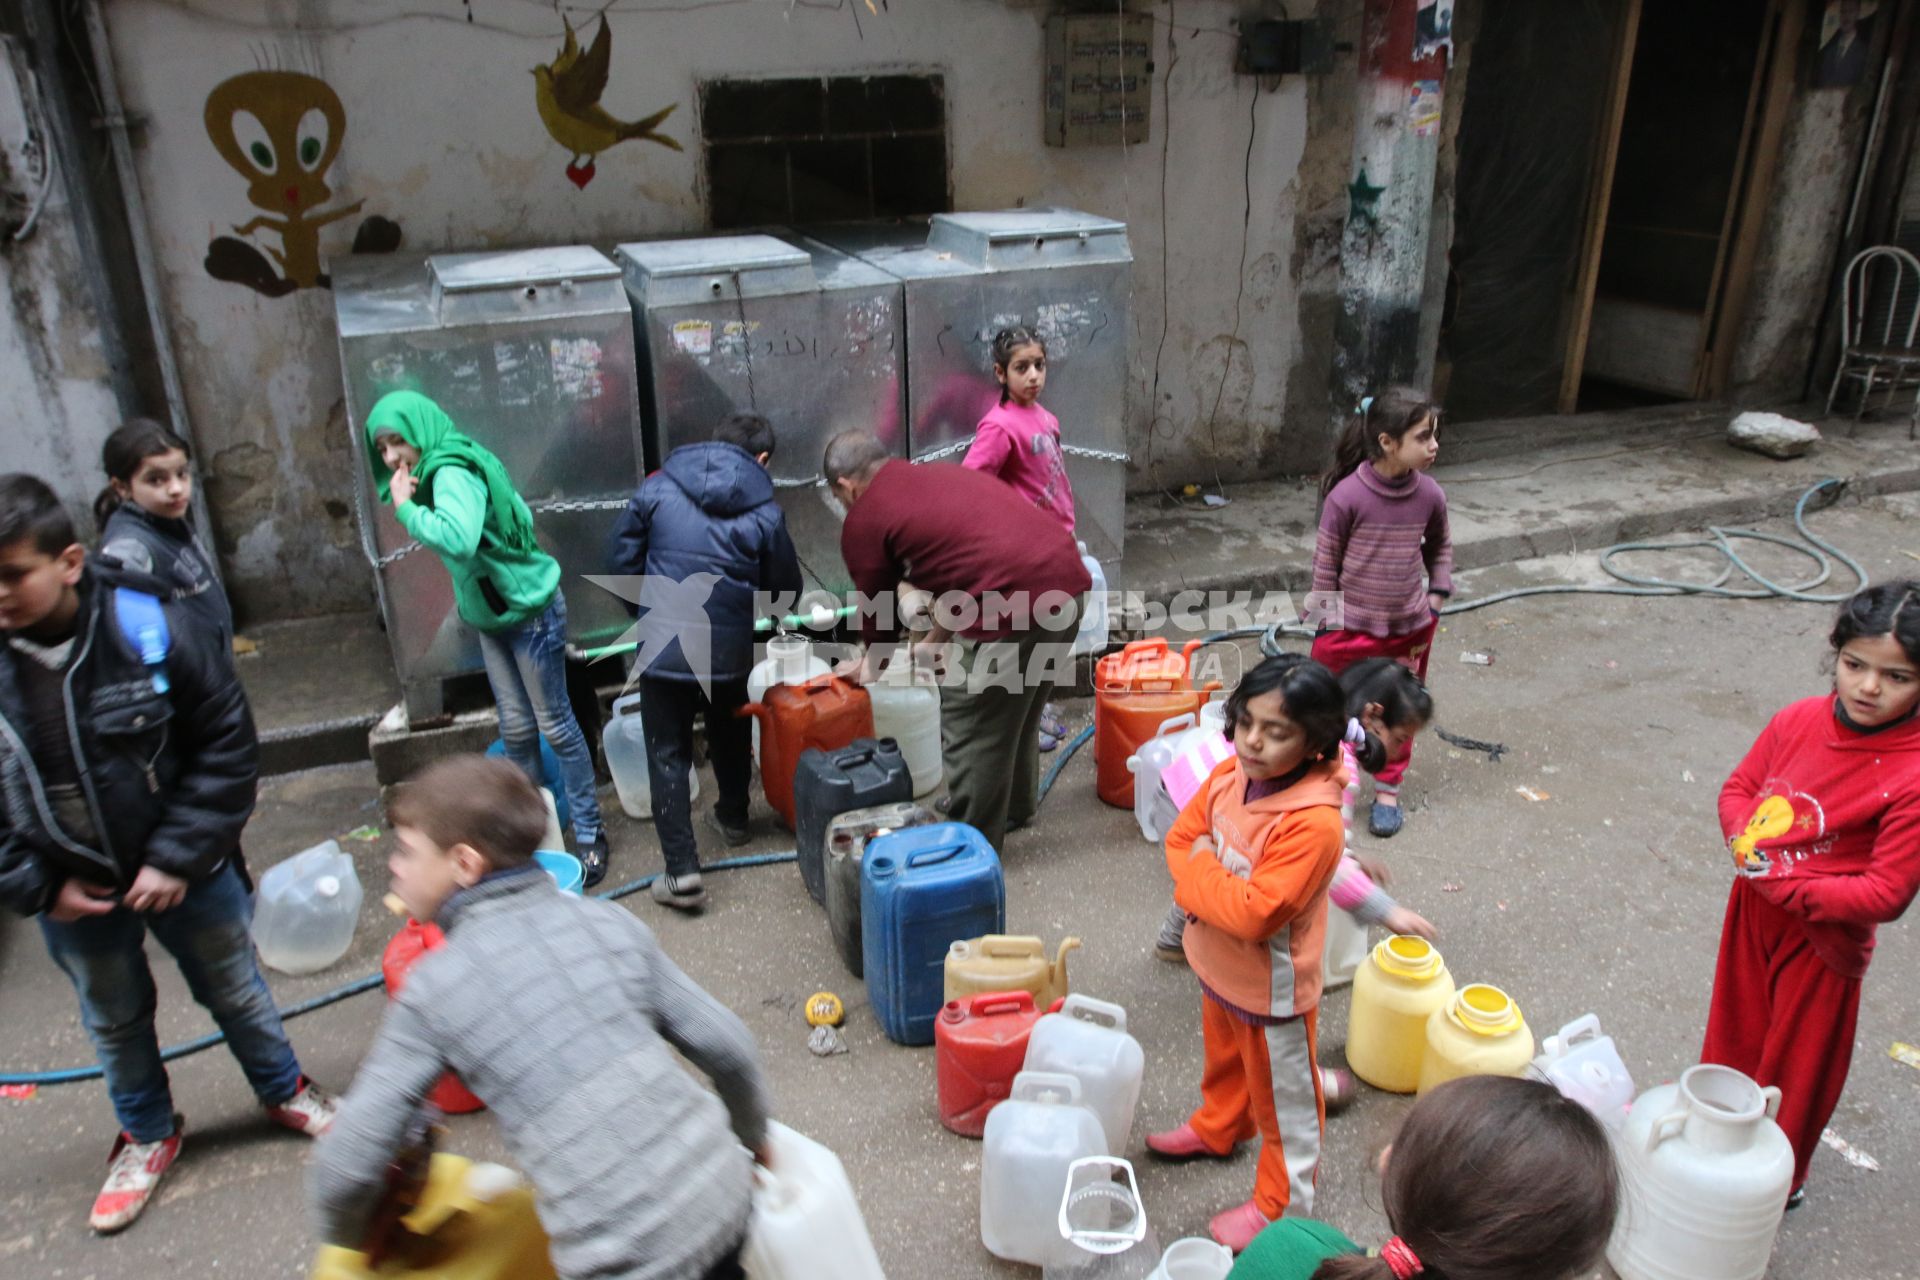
(1880, 318)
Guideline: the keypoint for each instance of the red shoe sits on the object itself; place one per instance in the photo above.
(134, 1171)
(310, 1110)
(1183, 1144)
(1237, 1227)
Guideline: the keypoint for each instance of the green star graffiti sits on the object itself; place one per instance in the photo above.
(1363, 203)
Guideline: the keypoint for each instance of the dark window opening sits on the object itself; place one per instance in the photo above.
(824, 149)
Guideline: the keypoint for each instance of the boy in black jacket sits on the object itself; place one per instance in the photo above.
(125, 780)
(707, 533)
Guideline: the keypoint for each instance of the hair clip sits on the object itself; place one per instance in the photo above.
(1366, 403)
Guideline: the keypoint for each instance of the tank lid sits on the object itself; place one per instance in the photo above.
(470, 272)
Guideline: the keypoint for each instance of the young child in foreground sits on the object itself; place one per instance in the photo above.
(1823, 820)
(1252, 856)
(1490, 1178)
(562, 1014)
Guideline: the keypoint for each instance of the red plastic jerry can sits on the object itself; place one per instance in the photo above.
(413, 941)
(980, 1042)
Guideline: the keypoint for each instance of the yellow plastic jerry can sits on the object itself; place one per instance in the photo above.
(1478, 1033)
(473, 1222)
(1399, 987)
(1005, 962)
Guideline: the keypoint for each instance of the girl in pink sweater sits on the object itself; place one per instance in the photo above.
(1018, 440)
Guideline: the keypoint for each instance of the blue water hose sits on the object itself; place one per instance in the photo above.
(358, 986)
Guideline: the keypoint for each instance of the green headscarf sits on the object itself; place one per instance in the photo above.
(426, 426)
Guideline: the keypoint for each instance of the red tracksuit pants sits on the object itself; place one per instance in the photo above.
(1782, 1015)
(1338, 650)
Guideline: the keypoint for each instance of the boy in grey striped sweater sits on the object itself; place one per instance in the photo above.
(561, 1014)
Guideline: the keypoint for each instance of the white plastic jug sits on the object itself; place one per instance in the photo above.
(804, 1211)
(1104, 1224)
(1092, 636)
(1194, 1259)
(1088, 1040)
(906, 708)
(306, 908)
(1583, 1064)
(551, 838)
(1031, 1141)
(1346, 948)
(625, 742)
(1153, 809)
(790, 660)
(1706, 1173)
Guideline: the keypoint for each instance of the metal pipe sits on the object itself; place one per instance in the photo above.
(818, 619)
(143, 256)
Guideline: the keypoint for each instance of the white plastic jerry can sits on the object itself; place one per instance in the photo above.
(804, 1213)
(1031, 1141)
(1706, 1172)
(1088, 1040)
(1583, 1064)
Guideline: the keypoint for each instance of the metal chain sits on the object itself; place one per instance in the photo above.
(559, 506)
(1077, 450)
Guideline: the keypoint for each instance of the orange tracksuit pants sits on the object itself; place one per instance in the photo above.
(1264, 1080)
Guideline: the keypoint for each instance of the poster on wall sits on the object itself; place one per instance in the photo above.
(1423, 108)
(1432, 29)
(1846, 34)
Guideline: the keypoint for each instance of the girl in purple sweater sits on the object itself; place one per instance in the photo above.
(1383, 555)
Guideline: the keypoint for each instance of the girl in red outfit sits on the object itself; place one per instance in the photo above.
(1383, 554)
(1018, 441)
(1252, 855)
(1823, 818)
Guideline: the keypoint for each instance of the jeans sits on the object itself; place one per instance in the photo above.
(667, 709)
(208, 935)
(527, 667)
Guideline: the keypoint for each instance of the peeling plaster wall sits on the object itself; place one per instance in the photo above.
(59, 398)
(442, 137)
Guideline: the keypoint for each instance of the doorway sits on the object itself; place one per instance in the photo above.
(1610, 154)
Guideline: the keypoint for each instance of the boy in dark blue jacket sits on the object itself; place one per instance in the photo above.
(126, 774)
(707, 534)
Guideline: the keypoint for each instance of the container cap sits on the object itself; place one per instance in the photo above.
(1486, 1010)
(327, 886)
(1405, 956)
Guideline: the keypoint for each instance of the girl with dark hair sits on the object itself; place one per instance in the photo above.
(1823, 820)
(1019, 441)
(144, 521)
(1490, 1178)
(1251, 857)
(1383, 560)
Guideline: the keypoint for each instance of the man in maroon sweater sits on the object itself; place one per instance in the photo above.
(1006, 580)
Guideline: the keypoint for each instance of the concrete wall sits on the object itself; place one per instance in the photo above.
(442, 137)
(60, 402)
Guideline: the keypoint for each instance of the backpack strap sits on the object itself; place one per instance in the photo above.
(144, 624)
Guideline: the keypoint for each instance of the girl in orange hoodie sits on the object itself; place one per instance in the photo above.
(1252, 856)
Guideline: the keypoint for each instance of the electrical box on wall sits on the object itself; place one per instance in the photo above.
(1099, 89)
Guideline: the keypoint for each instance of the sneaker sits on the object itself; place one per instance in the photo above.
(1171, 952)
(1183, 1144)
(594, 855)
(1338, 1089)
(134, 1170)
(1237, 1227)
(1169, 944)
(1384, 819)
(310, 1110)
(1797, 1197)
(733, 836)
(682, 893)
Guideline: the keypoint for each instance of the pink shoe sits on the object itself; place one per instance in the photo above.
(1183, 1144)
(1338, 1089)
(134, 1171)
(1237, 1227)
(310, 1110)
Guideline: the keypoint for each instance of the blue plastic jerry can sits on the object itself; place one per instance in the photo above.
(921, 890)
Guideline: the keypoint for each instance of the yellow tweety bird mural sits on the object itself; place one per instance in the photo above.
(568, 90)
(1774, 817)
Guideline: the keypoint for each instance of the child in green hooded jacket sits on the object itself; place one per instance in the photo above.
(455, 498)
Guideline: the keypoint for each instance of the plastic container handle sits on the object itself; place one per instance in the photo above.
(992, 1002)
(621, 704)
(927, 857)
(1012, 944)
(1585, 1027)
(1672, 1122)
(1117, 1240)
(1174, 725)
(1152, 645)
(755, 711)
(1098, 1012)
(1038, 1086)
(1772, 1094)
